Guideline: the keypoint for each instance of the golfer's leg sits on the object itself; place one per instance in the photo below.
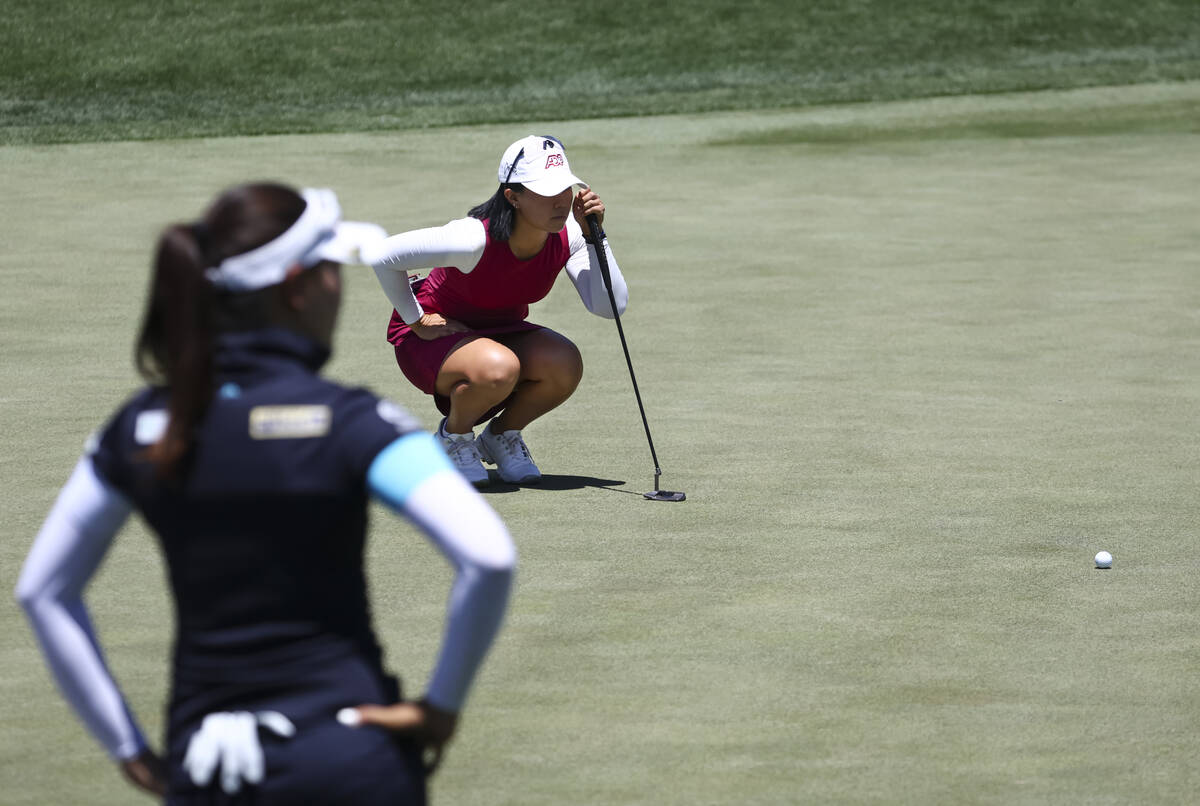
(550, 370)
(476, 376)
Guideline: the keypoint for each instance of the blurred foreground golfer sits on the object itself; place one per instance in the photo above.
(255, 474)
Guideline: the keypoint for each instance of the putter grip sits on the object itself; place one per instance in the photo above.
(598, 240)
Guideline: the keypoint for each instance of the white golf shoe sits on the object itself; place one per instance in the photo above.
(507, 451)
(463, 451)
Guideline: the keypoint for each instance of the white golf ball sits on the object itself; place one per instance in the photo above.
(1103, 559)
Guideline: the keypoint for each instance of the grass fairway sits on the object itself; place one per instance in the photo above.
(914, 364)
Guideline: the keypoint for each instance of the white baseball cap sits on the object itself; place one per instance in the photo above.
(540, 164)
(318, 234)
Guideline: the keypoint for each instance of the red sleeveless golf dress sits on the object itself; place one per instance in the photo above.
(493, 298)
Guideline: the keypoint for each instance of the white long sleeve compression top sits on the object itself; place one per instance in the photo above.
(460, 244)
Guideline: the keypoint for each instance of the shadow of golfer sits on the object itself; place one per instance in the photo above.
(551, 482)
(554, 482)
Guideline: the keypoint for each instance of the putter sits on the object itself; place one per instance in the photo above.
(658, 494)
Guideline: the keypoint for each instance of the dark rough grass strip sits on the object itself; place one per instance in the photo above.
(131, 69)
(1180, 115)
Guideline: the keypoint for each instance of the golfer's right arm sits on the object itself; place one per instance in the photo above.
(459, 243)
(66, 553)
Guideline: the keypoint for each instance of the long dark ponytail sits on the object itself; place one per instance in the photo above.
(498, 212)
(174, 348)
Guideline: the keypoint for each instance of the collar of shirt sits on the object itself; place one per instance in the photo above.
(252, 349)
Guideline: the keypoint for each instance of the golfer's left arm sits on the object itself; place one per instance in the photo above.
(583, 267)
(66, 553)
(413, 476)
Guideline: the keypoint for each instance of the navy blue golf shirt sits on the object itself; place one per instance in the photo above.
(263, 537)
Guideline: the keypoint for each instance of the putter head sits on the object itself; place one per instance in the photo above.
(664, 495)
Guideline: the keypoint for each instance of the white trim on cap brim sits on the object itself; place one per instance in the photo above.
(318, 234)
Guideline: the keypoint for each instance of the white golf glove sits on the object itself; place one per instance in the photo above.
(230, 740)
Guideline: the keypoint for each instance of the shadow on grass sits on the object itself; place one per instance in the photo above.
(552, 482)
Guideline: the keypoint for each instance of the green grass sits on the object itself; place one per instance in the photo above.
(131, 69)
(913, 363)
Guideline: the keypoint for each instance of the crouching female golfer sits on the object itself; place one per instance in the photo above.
(463, 336)
(255, 475)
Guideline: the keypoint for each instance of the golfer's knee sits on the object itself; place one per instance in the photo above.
(495, 369)
(565, 368)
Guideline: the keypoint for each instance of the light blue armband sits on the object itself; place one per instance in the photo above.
(403, 465)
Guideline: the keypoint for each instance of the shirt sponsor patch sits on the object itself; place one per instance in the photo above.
(150, 426)
(289, 422)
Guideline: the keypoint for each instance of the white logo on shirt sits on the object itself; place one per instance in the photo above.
(150, 426)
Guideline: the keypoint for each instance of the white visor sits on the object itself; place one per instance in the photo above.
(540, 165)
(318, 234)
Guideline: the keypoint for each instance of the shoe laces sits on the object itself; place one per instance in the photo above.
(462, 450)
(514, 445)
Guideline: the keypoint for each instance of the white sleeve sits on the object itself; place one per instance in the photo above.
(414, 477)
(66, 553)
(583, 267)
(399, 292)
(459, 243)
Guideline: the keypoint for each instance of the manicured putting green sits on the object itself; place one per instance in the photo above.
(914, 364)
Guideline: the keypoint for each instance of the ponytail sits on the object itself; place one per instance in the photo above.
(175, 347)
(184, 311)
(498, 212)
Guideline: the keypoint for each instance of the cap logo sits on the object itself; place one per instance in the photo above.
(554, 161)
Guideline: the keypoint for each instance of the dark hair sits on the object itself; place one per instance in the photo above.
(175, 346)
(498, 212)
